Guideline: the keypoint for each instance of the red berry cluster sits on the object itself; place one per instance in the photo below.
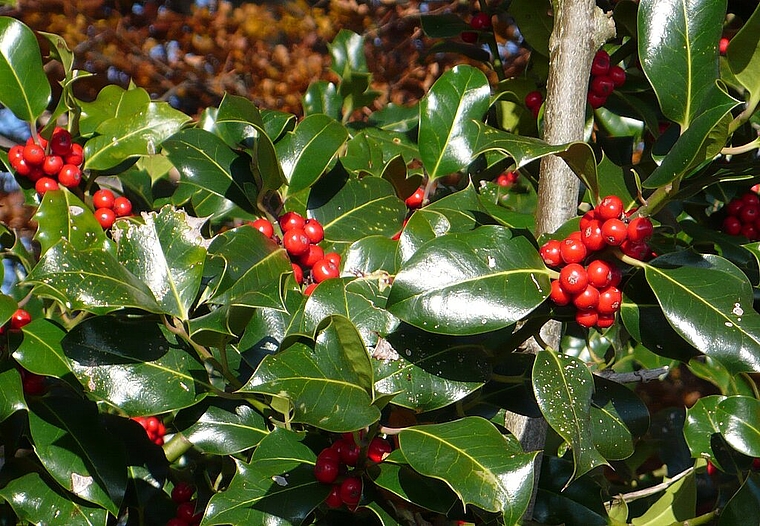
(743, 216)
(604, 79)
(153, 427)
(508, 179)
(108, 207)
(333, 463)
(479, 22)
(300, 238)
(592, 288)
(182, 495)
(533, 102)
(49, 163)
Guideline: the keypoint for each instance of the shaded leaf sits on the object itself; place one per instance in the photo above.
(676, 505)
(429, 493)
(744, 506)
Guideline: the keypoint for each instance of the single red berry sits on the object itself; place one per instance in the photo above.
(592, 237)
(635, 250)
(314, 230)
(291, 220)
(15, 154)
(297, 273)
(41, 141)
(587, 218)
(749, 231)
(19, 319)
(550, 253)
(599, 273)
(533, 100)
(103, 198)
(604, 321)
(749, 213)
(309, 289)
(615, 231)
(310, 258)
(480, 21)
(106, 217)
(617, 275)
(334, 258)
(611, 207)
(76, 157)
(586, 318)
(333, 500)
(595, 100)
(23, 168)
(587, 299)
(573, 278)
(70, 176)
(734, 207)
(324, 269)
(34, 154)
(263, 226)
(349, 453)
(610, 299)
(378, 449)
(60, 142)
(182, 492)
(469, 36)
(351, 491)
(723, 45)
(558, 294)
(572, 250)
(640, 229)
(329, 453)
(52, 165)
(711, 469)
(295, 242)
(36, 173)
(602, 86)
(415, 200)
(326, 471)
(122, 206)
(45, 184)
(617, 74)
(601, 63)
(186, 511)
(750, 198)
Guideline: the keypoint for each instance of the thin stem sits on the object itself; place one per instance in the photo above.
(504, 379)
(390, 430)
(736, 150)
(496, 62)
(646, 492)
(629, 260)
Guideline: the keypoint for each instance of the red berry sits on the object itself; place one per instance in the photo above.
(41, 141)
(586, 318)
(295, 242)
(734, 206)
(640, 229)
(34, 154)
(415, 200)
(378, 449)
(635, 250)
(595, 100)
(52, 165)
(611, 207)
(122, 206)
(609, 300)
(310, 258)
(182, 492)
(76, 156)
(558, 294)
(327, 470)
(106, 217)
(263, 226)
(44, 184)
(573, 278)
(103, 198)
(60, 142)
(533, 100)
(588, 299)
(309, 289)
(186, 511)
(15, 154)
(351, 491)
(723, 45)
(291, 220)
(749, 231)
(602, 86)
(334, 258)
(23, 168)
(324, 269)
(330, 453)
(599, 273)
(297, 273)
(572, 250)
(592, 237)
(469, 36)
(333, 500)
(550, 253)
(615, 231)
(604, 321)
(617, 275)
(70, 176)
(617, 74)
(480, 21)
(601, 63)
(756, 464)
(749, 213)
(711, 469)
(587, 218)
(32, 384)
(508, 179)
(751, 198)
(19, 319)
(314, 230)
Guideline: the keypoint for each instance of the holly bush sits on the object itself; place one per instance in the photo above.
(183, 366)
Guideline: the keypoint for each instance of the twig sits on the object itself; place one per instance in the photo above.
(646, 492)
(643, 376)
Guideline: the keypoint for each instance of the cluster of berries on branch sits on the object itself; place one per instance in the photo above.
(743, 216)
(479, 22)
(586, 280)
(182, 496)
(336, 465)
(153, 427)
(49, 164)
(300, 239)
(605, 78)
(108, 207)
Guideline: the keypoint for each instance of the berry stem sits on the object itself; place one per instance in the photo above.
(629, 260)
(177, 446)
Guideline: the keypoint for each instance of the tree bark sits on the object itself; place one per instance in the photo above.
(580, 28)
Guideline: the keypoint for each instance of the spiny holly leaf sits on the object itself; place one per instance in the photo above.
(133, 366)
(470, 283)
(325, 382)
(75, 449)
(37, 502)
(708, 301)
(24, 87)
(222, 427)
(70, 276)
(738, 419)
(563, 387)
(62, 215)
(448, 134)
(167, 253)
(491, 472)
(277, 488)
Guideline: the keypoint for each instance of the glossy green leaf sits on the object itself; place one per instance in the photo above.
(213, 175)
(70, 276)
(238, 121)
(429, 493)
(676, 505)
(617, 414)
(372, 150)
(223, 427)
(743, 54)
(369, 255)
(447, 133)
(40, 351)
(470, 283)
(708, 301)
(396, 118)
(139, 371)
(306, 152)
(24, 87)
(62, 215)
(322, 97)
(738, 420)
(12, 393)
(166, 251)
(744, 506)
(347, 52)
(677, 44)
(277, 488)
(576, 504)
(36, 502)
(77, 452)
(701, 424)
(135, 134)
(112, 102)
(355, 208)
(325, 387)
(563, 387)
(491, 473)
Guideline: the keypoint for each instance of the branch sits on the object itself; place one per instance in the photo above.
(646, 492)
